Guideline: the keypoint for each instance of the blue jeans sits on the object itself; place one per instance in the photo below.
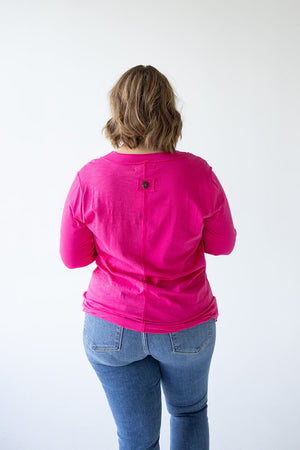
(132, 366)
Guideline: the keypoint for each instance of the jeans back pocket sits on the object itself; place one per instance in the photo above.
(194, 339)
(101, 335)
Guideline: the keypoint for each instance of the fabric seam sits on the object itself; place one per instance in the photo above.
(143, 162)
(81, 198)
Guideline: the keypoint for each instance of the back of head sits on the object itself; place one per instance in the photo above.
(143, 111)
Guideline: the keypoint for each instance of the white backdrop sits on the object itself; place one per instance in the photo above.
(235, 68)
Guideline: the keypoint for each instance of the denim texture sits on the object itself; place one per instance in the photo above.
(133, 366)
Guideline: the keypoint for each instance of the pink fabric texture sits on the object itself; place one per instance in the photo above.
(147, 221)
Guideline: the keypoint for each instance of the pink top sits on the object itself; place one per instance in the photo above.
(147, 220)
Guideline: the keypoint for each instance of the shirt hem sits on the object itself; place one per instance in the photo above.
(145, 327)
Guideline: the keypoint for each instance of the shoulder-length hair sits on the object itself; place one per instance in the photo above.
(143, 111)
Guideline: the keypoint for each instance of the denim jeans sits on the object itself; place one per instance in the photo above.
(133, 366)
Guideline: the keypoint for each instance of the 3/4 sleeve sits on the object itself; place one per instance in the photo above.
(219, 234)
(77, 247)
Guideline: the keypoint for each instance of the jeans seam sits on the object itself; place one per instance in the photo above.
(145, 343)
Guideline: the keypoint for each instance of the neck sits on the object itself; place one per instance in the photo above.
(136, 150)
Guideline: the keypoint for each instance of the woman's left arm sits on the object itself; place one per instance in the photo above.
(77, 246)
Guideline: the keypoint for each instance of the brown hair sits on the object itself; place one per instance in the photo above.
(143, 111)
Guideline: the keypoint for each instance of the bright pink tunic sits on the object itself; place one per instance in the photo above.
(147, 220)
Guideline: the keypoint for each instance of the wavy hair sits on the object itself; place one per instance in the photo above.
(143, 111)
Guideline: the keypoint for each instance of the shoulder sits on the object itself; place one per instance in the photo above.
(90, 165)
(89, 170)
(198, 162)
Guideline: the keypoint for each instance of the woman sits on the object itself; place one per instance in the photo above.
(147, 213)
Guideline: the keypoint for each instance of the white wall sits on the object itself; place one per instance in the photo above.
(235, 67)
